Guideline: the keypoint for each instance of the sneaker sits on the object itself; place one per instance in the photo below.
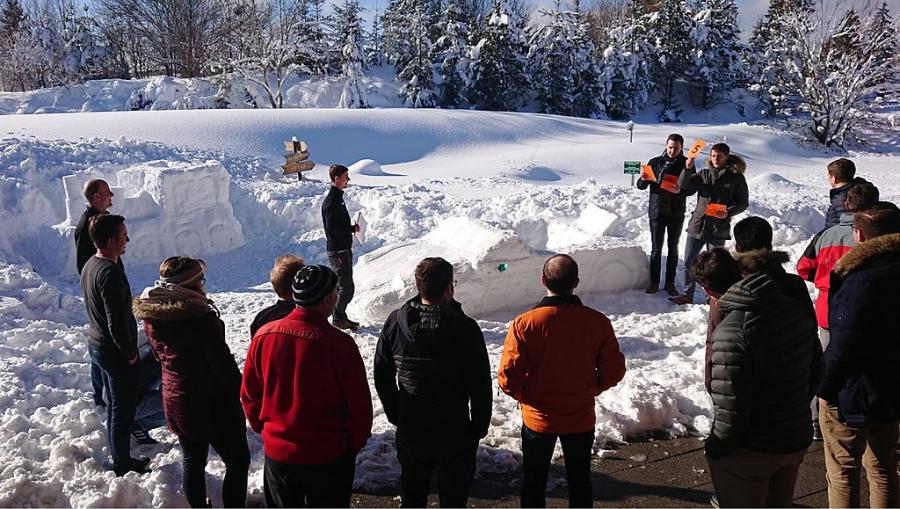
(681, 299)
(139, 465)
(653, 288)
(671, 289)
(345, 324)
(714, 501)
(817, 433)
(143, 437)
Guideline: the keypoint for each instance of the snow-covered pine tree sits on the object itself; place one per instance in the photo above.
(374, 50)
(669, 31)
(451, 57)
(884, 23)
(353, 95)
(21, 64)
(625, 70)
(397, 33)
(67, 42)
(716, 58)
(12, 18)
(590, 87)
(769, 55)
(311, 24)
(417, 88)
(344, 24)
(550, 49)
(498, 61)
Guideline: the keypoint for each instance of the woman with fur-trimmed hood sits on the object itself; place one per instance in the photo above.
(200, 378)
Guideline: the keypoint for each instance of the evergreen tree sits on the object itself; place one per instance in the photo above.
(417, 87)
(451, 56)
(669, 31)
(353, 61)
(311, 36)
(345, 24)
(374, 51)
(625, 68)
(717, 63)
(12, 18)
(498, 62)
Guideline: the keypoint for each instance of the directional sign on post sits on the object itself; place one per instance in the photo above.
(297, 158)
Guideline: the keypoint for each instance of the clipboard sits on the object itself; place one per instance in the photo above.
(715, 210)
(361, 234)
(670, 184)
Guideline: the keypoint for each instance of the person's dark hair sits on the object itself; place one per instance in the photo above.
(177, 264)
(842, 169)
(752, 233)
(92, 187)
(675, 137)
(881, 219)
(433, 276)
(104, 227)
(282, 275)
(716, 270)
(560, 274)
(336, 170)
(862, 196)
(721, 148)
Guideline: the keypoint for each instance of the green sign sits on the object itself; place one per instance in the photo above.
(632, 167)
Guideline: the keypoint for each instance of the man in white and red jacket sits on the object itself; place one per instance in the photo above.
(305, 391)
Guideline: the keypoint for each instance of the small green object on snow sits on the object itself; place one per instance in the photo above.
(503, 267)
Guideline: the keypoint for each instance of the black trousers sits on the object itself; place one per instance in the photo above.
(537, 451)
(342, 264)
(293, 485)
(453, 461)
(666, 228)
(228, 436)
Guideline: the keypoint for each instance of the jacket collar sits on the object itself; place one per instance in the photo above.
(308, 315)
(865, 251)
(558, 300)
(336, 190)
(846, 218)
(762, 260)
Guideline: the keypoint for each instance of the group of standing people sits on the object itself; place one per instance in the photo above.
(304, 386)
(765, 339)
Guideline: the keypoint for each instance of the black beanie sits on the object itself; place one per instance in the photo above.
(312, 283)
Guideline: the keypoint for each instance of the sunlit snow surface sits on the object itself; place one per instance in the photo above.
(481, 189)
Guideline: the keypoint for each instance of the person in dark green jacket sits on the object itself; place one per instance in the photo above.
(766, 366)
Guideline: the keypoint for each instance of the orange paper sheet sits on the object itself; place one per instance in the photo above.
(695, 149)
(647, 173)
(715, 209)
(670, 184)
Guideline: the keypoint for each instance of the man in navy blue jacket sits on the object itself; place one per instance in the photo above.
(859, 409)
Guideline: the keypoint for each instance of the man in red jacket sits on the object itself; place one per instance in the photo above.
(305, 391)
(557, 358)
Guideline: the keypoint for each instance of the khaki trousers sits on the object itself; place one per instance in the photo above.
(845, 447)
(748, 478)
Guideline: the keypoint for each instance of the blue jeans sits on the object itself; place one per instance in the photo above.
(692, 248)
(537, 451)
(120, 380)
(669, 228)
(96, 380)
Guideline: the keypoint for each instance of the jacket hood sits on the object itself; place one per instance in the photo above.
(734, 163)
(762, 260)
(885, 244)
(417, 319)
(749, 293)
(165, 301)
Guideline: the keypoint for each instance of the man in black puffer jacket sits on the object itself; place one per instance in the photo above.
(766, 366)
(665, 210)
(431, 365)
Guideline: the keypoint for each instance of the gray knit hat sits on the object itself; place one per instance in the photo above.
(312, 284)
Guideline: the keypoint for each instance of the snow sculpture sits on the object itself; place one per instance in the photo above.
(170, 208)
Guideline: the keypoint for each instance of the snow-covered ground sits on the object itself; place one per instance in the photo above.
(482, 189)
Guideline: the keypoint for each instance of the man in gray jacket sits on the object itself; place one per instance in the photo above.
(721, 194)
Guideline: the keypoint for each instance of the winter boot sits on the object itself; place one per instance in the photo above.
(345, 324)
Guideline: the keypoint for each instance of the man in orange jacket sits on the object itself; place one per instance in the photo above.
(556, 359)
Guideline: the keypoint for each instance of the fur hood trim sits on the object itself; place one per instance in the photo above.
(734, 163)
(866, 250)
(165, 301)
(762, 260)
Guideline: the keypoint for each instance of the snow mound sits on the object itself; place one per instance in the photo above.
(367, 167)
(170, 208)
(496, 271)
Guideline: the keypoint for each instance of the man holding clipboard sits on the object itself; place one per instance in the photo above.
(339, 236)
(721, 194)
(665, 210)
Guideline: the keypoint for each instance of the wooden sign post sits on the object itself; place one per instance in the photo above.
(296, 160)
